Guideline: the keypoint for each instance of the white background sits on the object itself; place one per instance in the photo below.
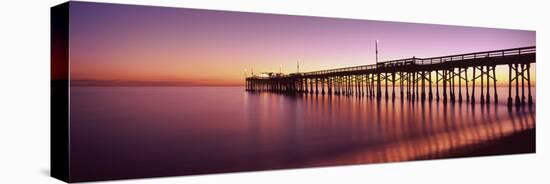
(24, 91)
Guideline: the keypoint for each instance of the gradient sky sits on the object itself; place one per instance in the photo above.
(121, 44)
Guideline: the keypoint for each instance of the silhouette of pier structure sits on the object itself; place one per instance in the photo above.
(416, 78)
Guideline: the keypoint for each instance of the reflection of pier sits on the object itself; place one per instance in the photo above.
(415, 78)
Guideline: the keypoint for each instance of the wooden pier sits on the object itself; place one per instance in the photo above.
(416, 78)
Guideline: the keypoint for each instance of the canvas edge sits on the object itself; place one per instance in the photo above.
(59, 92)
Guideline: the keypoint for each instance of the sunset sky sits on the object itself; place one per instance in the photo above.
(120, 44)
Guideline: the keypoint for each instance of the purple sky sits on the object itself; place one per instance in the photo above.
(201, 47)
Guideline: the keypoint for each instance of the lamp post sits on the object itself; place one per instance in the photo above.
(376, 47)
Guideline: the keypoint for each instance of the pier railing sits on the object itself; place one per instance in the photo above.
(430, 61)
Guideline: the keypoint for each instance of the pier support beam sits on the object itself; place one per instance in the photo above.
(516, 68)
(473, 97)
(445, 86)
(408, 74)
(417, 85)
(379, 87)
(452, 85)
(466, 79)
(423, 92)
(414, 87)
(460, 71)
(530, 98)
(488, 97)
(482, 99)
(437, 85)
(316, 85)
(386, 85)
(323, 86)
(430, 95)
(510, 85)
(401, 80)
(393, 85)
(495, 85)
(522, 84)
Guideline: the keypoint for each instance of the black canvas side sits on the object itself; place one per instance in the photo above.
(59, 124)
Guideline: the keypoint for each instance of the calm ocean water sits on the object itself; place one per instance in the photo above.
(124, 132)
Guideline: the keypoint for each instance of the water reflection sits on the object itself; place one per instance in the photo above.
(127, 132)
(351, 130)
